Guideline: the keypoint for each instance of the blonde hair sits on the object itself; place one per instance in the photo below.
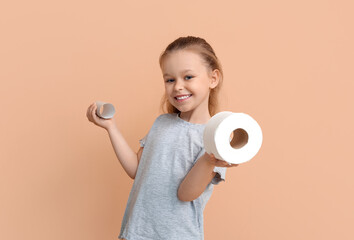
(201, 47)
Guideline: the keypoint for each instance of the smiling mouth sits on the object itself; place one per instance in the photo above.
(183, 98)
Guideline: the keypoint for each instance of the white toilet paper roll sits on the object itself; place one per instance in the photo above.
(246, 142)
(105, 110)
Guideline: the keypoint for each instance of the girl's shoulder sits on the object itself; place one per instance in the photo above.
(173, 118)
(163, 119)
(166, 116)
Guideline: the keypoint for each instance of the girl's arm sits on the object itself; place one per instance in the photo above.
(126, 156)
(199, 177)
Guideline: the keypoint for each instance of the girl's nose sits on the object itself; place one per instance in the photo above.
(178, 84)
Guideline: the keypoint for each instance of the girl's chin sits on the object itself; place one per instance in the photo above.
(182, 109)
(179, 108)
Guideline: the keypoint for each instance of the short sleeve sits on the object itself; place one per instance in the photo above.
(219, 176)
(142, 141)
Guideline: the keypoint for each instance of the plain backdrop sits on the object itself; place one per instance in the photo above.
(288, 64)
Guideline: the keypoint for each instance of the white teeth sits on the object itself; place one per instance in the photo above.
(184, 97)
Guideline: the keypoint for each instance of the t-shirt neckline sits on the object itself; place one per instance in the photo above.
(188, 123)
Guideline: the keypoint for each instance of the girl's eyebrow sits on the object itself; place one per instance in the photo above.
(182, 72)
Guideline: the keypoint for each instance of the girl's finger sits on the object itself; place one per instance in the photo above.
(94, 114)
(233, 165)
(88, 112)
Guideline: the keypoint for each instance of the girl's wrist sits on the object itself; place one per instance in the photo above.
(111, 127)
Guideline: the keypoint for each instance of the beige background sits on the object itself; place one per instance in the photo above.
(289, 64)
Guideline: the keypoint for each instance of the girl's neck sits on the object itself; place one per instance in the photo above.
(194, 117)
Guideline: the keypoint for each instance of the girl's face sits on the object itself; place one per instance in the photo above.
(188, 82)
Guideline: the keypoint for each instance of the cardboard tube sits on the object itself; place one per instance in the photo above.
(105, 110)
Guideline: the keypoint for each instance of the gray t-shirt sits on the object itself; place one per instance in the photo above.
(153, 211)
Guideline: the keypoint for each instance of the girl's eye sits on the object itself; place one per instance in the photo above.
(169, 80)
(188, 77)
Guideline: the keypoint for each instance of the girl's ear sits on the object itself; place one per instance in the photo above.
(215, 77)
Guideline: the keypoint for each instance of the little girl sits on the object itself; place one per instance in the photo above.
(173, 175)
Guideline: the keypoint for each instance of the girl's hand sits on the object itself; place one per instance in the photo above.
(93, 117)
(218, 162)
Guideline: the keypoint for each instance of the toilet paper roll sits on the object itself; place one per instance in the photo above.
(242, 147)
(105, 110)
